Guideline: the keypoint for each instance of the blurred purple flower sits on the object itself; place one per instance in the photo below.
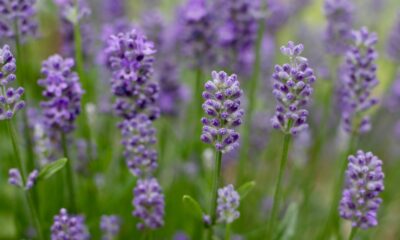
(113, 9)
(392, 102)
(393, 44)
(364, 182)
(227, 205)
(67, 226)
(15, 178)
(180, 236)
(110, 226)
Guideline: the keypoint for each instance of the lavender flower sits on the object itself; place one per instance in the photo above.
(393, 44)
(10, 102)
(392, 102)
(113, 9)
(196, 32)
(15, 178)
(149, 204)
(237, 32)
(364, 182)
(338, 32)
(19, 13)
(139, 138)
(71, 12)
(292, 90)
(222, 102)
(358, 80)
(67, 226)
(278, 15)
(227, 204)
(130, 58)
(110, 226)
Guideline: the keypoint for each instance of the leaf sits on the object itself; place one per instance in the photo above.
(245, 189)
(193, 206)
(51, 168)
(287, 228)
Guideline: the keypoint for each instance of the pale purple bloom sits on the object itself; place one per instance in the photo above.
(130, 59)
(222, 107)
(113, 9)
(21, 12)
(180, 236)
(392, 101)
(31, 181)
(227, 205)
(358, 80)
(139, 138)
(338, 31)
(68, 8)
(278, 14)
(71, 227)
(292, 83)
(364, 182)
(149, 204)
(393, 44)
(110, 226)
(14, 177)
(63, 93)
(10, 98)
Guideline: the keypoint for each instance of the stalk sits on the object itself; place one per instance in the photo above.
(278, 187)
(69, 178)
(216, 180)
(252, 97)
(20, 164)
(197, 108)
(228, 232)
(353, 233)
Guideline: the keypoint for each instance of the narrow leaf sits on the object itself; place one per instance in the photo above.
(287, 228)
(245, 189)
(51, 168)
(193, 206)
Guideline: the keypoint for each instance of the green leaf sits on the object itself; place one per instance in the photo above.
(287, 228)
(245, 189)
(51, 168)
(193, 206)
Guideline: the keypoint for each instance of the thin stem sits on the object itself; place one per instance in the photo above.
(198, 109)
(216, 182)
(278, 188)
(21, 167)
(252, 97)
(228, 232)
(69, 178)
(353, 233)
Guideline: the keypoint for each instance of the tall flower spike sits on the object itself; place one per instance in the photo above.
(393, 44)
(222, 106)
(364, 182)
(227, 205)
(130, 59)
(10, 98)
(67, 226)
(63, 92)
(149, 204)
(139, 138)
(110, 226)
(358, 80)
(21, 12)
(292, 88)
(338, 31)
(14, 178)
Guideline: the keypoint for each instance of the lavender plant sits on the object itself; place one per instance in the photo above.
(66, 226)
(110, 226)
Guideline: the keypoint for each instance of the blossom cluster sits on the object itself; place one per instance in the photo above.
(66, 226)
(227, 205)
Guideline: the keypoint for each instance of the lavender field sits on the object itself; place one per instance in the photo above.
(199, 119)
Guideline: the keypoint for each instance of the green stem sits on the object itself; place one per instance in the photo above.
(69, 178)
(252, 97)
(278, 188)
(228, 232)
(21, 167)
(216, 182)
(198, 110)
(353, 233)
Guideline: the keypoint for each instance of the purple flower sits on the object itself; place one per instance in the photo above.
(393, 44)
(180, 236)
(71, 12)
(222, 107)
(130, 59)
(70, 227)
(113, 9)
(278, 15)
(15, 178)
(31, 179)
(338, 31)
(139, 138)
(22, 13)
(149, 204)
(292, 88)
(392, 102)
(63, 93)
(364, 182)
(358, 80)
(227, 205)
(110, 226)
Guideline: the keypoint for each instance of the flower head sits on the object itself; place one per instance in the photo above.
(71, 12)
(21, 12)
(222, 107)
(364, 182)
(227, 204)
(292, 88)
(15, 178)
(393, 44)
(149, 204)
(130, 59)
(358, 80)
(139, 138)
(110, 226)
(63, 92)
(10, 98)
(67, 226)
